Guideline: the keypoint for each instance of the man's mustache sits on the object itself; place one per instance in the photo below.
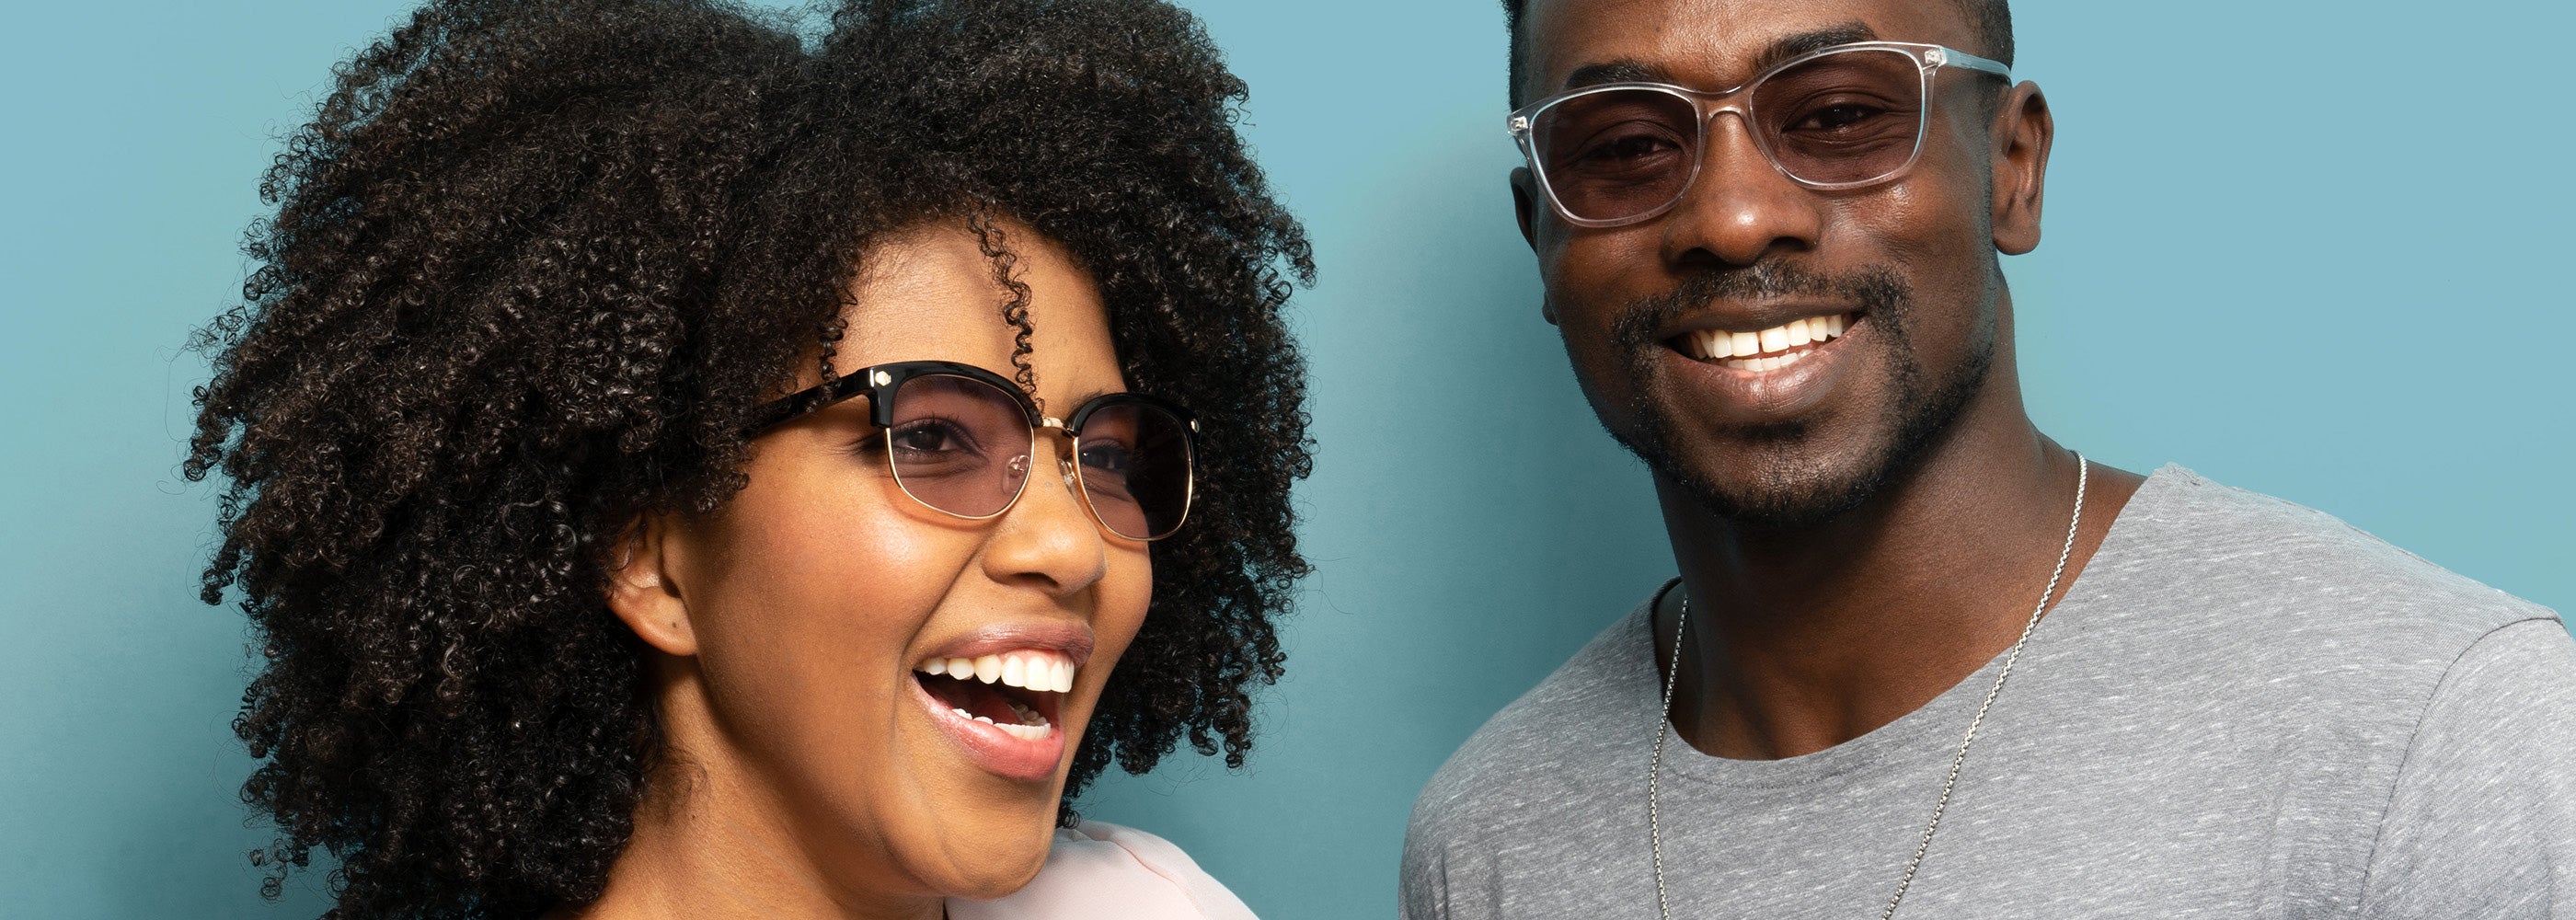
(1877, 291)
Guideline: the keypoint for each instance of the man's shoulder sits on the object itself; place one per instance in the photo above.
(2266, 564)
(2412, 711)
(1541, 748)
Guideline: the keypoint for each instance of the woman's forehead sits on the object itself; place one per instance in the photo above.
(933, 294)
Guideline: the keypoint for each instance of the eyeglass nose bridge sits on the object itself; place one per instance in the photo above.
(1066, 468)
(1738, 103)
(1064, 464)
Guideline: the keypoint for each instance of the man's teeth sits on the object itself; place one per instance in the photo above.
(1044, 671)
(1769, 348)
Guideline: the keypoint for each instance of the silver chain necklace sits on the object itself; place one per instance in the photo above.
(1663, 722)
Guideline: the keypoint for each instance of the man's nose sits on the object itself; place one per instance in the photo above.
(1740, 208)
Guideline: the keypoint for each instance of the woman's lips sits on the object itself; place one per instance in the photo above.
(1029, 749)
(999, 693)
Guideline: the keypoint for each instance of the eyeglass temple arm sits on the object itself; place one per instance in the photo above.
(806, 402)
(1953, 57)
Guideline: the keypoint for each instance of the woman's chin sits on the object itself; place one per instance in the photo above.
(985, 872)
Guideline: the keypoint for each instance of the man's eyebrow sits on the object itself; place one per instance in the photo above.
(1631, 70)
(1791, 46)
(1624, 70)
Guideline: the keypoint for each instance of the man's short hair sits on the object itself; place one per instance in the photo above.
(1990, 19)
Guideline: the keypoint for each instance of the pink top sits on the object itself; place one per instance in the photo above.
(1098, 871)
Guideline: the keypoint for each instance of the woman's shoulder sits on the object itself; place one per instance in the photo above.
(1100, 870)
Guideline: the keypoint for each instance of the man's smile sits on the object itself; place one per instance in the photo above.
(1765, 350)
(1756, 377)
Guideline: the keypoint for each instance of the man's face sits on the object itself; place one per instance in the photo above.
(1905, 269)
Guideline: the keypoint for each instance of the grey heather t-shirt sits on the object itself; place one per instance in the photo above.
(2243, 708)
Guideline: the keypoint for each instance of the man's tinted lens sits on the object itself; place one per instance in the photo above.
(959, 444)
(1841, 118)
(1135, 461)
(1847, 117)
(1619, 153)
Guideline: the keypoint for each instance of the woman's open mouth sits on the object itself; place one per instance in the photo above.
(1002, 707)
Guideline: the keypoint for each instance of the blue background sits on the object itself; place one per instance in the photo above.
(2311, 249)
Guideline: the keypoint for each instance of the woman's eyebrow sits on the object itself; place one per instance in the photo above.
(1084, 399)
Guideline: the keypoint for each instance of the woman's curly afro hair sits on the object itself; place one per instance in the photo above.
(532, 267)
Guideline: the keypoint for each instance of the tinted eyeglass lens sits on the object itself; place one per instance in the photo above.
(1842, 118)
(1618, 153)
(1135, 462)
(959, 444)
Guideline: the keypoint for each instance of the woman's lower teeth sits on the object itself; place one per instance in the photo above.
(1031, 726)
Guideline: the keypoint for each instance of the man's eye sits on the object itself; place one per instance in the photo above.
(1630, 147)
(1838, 118)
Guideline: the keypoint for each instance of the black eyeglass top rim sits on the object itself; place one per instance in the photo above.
(892, 374)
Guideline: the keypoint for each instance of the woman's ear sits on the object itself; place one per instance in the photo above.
(642, 591)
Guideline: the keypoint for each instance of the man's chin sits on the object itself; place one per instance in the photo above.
(1780, 492)
(1803, 474)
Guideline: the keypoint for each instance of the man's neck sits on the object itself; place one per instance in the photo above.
(1801, 640)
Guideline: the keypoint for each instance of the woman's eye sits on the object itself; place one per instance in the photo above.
(926, 437)
(1107, 458)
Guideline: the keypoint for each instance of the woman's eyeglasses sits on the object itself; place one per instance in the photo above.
(1842, 117)
(961, 439)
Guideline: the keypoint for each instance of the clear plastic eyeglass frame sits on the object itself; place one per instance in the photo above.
(1928, 59)
(879, 383)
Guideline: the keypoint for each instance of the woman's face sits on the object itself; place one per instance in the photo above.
(814, 600)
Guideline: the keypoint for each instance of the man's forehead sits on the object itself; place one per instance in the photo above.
(1709, 44)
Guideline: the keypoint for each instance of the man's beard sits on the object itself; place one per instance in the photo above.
(1789, 493)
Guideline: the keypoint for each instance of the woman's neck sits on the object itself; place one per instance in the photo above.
(662, 875)
(712, 839)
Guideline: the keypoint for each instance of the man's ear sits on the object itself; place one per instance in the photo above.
(2023, 135)
(642, 591)
(1523, 199)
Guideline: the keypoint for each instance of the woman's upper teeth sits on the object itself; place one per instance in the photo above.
(1034, 669)
(1712, 344)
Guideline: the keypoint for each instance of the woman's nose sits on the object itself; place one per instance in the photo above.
(1049, 536)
